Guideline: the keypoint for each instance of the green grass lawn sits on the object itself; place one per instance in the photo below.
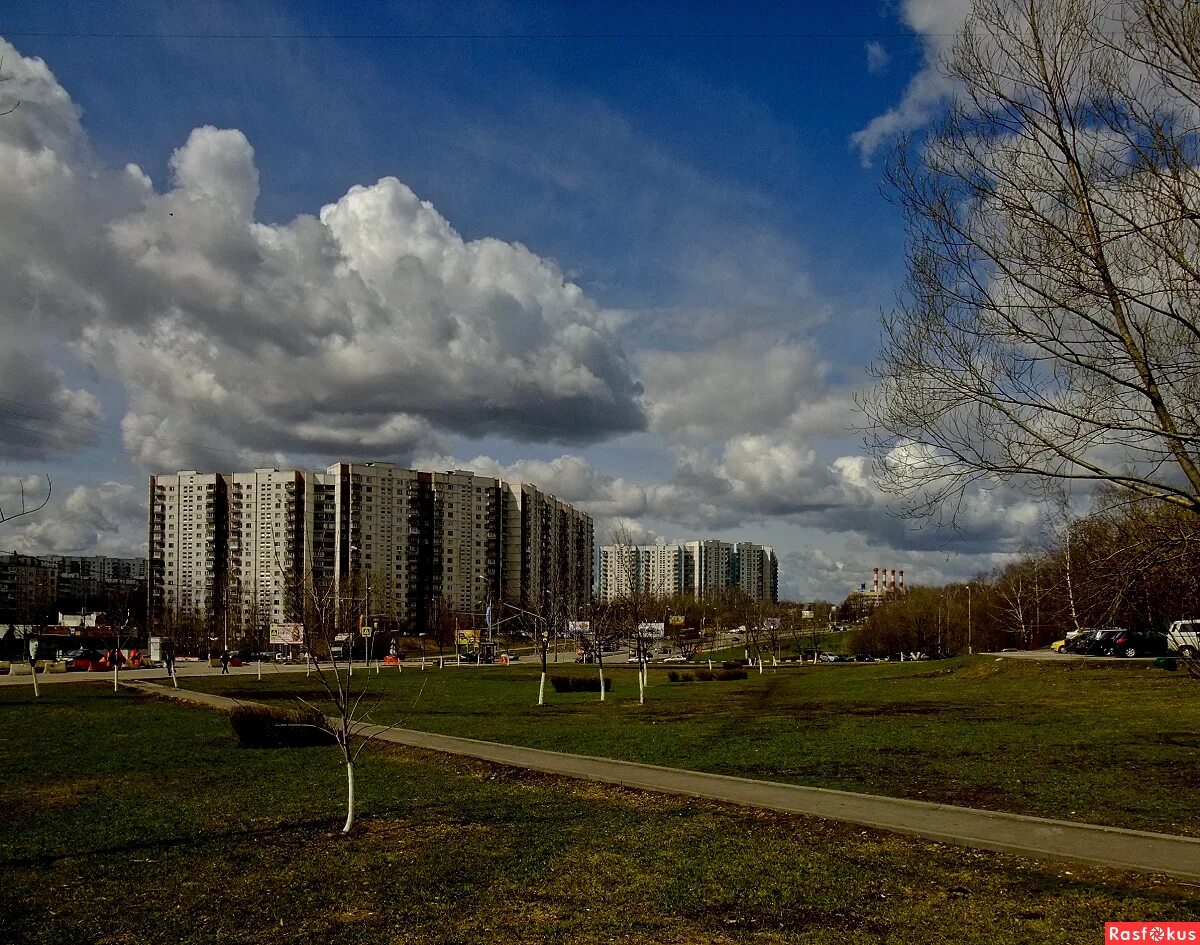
(133, 820)
(1106, 743)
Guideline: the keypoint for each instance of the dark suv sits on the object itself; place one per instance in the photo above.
(1139, 643)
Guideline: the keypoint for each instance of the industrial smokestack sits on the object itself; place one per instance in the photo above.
(875, 582)
(902, 580)
(893, 579)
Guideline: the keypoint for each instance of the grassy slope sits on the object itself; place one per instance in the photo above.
(1112, 744)
(134, 821)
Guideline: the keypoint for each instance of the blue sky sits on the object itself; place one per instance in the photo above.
(666, 201)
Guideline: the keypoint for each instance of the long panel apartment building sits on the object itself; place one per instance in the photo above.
(241, 549)
(695, 568)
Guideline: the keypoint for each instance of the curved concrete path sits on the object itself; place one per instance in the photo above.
(989, 830)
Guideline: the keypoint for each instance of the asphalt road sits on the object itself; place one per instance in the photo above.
(1049, 656)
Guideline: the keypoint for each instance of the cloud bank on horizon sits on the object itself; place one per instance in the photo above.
(372, 329)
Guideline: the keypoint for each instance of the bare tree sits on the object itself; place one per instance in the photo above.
(1051, 331)
(23, 507)
(330, 613)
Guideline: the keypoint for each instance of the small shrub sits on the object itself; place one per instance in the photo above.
(257, 726)
(705, 675)
(579, 683)
(727, 674)
(672, 675)
(686, 677)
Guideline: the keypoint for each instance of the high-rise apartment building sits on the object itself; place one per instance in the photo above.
(187, 547)
(264, 544)
(408, 543)
(557, 554)
(690, 567)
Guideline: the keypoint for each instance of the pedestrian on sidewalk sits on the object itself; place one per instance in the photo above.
(224, 662)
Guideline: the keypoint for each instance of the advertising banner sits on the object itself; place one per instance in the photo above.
(653, 631)
(291, 634)
(579, 627)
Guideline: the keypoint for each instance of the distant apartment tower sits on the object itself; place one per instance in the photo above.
(698, 568)
(28, 589)
(557, 542)
(755, 570)
(100, 567)
(187, 548)
(265, 545)
(245, 548)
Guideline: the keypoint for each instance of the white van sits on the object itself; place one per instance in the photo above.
(1183, 636)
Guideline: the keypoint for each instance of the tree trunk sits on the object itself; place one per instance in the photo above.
(33, 676)
(349, 795)
(641, 687)
(601, 665)
(542, 689)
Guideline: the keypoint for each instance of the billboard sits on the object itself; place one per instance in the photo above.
(579, 627)
(653, 631)
(465, 637)
(771, 623)
(291, 634)
(677, 620)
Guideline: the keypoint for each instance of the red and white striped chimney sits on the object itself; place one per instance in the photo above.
(875, 582)
(901, 580)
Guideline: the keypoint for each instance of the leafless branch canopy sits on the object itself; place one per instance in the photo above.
(25, 508)
(1051, 328)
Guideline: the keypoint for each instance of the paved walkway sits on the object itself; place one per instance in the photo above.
(1010, 833)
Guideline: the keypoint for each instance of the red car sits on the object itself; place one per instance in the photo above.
(88, 661)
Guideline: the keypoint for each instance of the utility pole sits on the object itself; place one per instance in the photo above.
(970, 648)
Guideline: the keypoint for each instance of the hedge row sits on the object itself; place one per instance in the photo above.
(579, 683)
(705, 675)
(257, 726)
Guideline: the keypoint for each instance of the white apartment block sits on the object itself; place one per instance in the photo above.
(265, 528)
(620, 571)
(186, 545)
(696, 568)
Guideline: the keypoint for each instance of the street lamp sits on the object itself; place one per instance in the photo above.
(491, 627)
(366, 614)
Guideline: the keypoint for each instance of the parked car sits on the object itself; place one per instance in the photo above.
(84, 661)
(1079, 642)
(674, 659)
(1183, 636)
(1102, 641)
(1140, 643)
